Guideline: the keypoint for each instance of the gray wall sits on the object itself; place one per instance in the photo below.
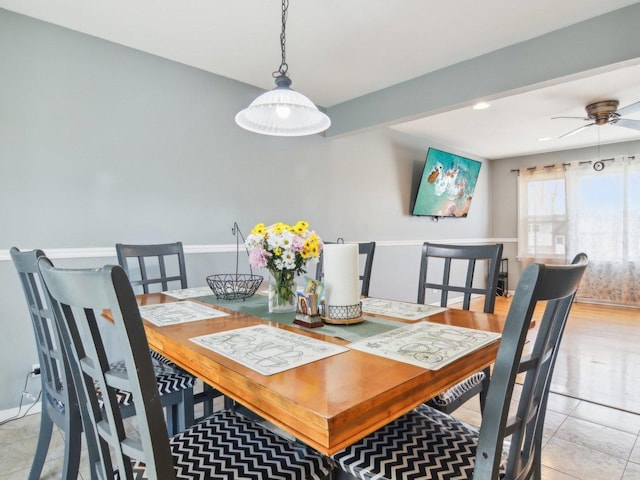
(100, 143)
(504, 191)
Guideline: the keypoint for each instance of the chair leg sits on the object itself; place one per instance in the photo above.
(207, 397)
(72, 444)
(172, 412)
(207, 404)
(180, 415)
(44, 439)
(485, 388)
(187, 409)
(339, 474)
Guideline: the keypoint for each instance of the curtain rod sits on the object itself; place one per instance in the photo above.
(579, 162)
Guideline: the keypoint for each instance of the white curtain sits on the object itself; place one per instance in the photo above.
(542, 215)
(566, 210)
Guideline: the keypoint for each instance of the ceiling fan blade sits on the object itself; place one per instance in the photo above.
(579, 129)
(575, 118)
(623, 122)
(634, 107)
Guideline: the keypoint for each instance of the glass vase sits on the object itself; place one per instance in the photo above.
(282, 292)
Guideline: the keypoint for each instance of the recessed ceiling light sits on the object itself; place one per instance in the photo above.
(481, 106)
(544, 139)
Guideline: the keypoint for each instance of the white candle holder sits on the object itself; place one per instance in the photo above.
(343, 314)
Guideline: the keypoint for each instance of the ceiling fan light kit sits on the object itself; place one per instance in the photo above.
(282, 111)
(603, 112)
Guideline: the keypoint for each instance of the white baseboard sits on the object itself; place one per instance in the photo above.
(13, 412)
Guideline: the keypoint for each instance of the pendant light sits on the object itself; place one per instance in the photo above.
(283, 111)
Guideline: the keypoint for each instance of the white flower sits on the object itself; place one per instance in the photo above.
(253, 240)
(283, 240)
(283, 247)
(289, 259)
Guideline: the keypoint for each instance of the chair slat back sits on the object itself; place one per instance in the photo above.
(58, 395)
(452, 255)
(151, 262)
(366, 249)
(557, 286)
(79, 298)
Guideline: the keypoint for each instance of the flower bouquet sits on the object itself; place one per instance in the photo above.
(284, 250)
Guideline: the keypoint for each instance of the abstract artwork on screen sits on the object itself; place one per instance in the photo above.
(447, 185)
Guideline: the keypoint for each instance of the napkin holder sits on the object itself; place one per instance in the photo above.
(307, 314)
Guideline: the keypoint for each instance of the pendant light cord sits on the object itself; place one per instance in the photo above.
(282, 111)
(282, 71)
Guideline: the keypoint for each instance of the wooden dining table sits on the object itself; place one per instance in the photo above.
(329, 403)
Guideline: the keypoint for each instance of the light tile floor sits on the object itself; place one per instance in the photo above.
(582, 441)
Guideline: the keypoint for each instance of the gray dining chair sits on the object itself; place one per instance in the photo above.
(174, 386)
(429, 444)
(158, 265)
(162, 267)
(464, 258)
(366, 250)
(226, 445)
(58, 399)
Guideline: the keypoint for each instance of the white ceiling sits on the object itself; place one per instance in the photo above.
(513, 125)
(341, 49)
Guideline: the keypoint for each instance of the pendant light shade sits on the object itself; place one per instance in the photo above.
(283, 111)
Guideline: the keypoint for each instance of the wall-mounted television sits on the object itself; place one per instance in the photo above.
(447, 185)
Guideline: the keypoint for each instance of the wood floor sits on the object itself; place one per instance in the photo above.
(599, 358)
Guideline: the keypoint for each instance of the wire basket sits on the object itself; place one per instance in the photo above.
(238, 286)
(235, 286)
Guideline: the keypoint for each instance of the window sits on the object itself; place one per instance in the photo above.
(542, 215)
(563, 211)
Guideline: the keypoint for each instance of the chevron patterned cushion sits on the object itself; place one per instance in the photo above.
(170, 379)
(424, 444)
(169, 376)
(448, 396)
(229, 446)
(161, 358)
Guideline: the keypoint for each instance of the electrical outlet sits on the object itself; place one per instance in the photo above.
(35, 369)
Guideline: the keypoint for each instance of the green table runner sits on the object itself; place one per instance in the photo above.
(257, 306)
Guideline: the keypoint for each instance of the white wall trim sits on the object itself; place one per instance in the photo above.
(99, 252)
(456, 241)
(12, 412)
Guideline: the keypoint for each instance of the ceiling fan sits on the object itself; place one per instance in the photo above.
(606, 113)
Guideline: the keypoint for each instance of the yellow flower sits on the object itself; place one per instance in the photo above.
(259, 229)
(300, 227)
(278, 239)
(278, 228)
